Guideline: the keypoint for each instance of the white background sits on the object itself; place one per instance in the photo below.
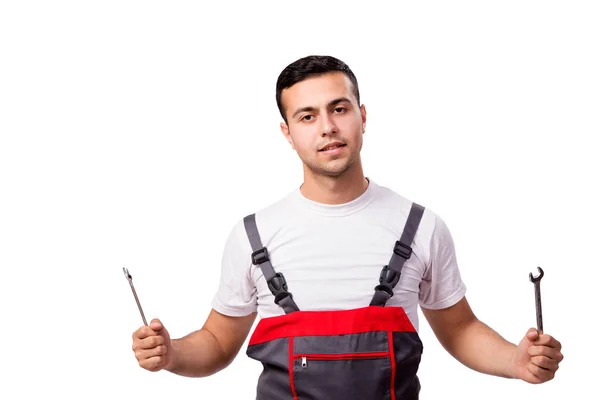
(136, 133)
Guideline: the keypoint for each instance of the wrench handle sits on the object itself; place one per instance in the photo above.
(138, 303)
(538, 308)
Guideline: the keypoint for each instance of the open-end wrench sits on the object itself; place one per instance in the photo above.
(130, 279)
(538, 298)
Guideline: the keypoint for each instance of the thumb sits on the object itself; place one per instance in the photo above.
(532, 334)
(156, 325)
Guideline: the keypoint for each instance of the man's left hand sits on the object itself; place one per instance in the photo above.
(537, 357)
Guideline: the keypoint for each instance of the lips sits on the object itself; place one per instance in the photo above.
(332, 146)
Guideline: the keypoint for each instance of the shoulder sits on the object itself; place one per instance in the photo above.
(432, 232)
(267, 219)
(391, 201)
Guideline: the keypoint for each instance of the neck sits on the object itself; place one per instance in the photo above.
(334, 189)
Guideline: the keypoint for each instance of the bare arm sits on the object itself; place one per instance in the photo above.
(201, 353)
(212, 348)
(472, 342)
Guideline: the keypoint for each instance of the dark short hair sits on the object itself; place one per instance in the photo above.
(308, 67)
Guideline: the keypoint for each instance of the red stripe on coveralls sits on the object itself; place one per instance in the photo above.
(393, 362)
(325, 323)
(291, 368)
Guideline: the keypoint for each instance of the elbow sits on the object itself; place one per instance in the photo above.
(457, 337)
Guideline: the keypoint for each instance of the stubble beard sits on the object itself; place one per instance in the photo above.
(332, 169)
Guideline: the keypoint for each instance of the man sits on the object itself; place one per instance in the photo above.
(328, 241)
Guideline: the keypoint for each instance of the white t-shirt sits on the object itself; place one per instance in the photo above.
(331, 257)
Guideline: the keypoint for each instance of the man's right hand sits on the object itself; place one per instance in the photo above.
(218, 341)
(152, 346)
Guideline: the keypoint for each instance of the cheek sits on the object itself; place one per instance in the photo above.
(358, 129)
(302, 146)
(353, 125)
(302, 139)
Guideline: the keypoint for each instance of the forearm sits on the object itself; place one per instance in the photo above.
(482, 349)
(198, 354)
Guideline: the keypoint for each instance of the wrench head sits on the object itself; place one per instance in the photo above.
(537, 278)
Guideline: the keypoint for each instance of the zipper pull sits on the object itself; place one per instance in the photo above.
(304, 363)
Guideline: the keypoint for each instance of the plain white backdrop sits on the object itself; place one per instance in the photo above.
(136, 133)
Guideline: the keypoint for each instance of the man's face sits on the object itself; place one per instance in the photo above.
(325, 123)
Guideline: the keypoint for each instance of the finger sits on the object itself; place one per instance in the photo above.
(143, 354)
(549, 352)
(545, 363)
(540, 373)
(150, 342)
(547, 340)
(152, 363)
(143, 333)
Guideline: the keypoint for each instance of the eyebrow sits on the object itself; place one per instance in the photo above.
(330, 104)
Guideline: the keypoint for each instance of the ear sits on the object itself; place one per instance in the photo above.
(363, 115)
(286, 132)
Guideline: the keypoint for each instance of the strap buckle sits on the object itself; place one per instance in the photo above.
(402, 250)
(260, 256)
(389, 277)
(278, 286)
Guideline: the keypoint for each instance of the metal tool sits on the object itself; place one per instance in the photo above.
(538, 298)
(130, 279)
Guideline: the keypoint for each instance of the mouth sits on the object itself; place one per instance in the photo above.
(332, 146)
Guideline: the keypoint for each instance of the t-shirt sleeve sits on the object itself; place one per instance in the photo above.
(236, 294)
(442, 285)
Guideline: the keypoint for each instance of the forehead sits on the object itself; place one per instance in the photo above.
(317, 91)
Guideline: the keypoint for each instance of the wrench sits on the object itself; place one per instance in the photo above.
(538, 298)
(130, 279)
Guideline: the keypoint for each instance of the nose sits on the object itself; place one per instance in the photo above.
(327, 125)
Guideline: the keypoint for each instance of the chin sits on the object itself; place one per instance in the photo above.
(332, 170)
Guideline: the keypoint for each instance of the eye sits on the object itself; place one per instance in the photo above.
(339, 110)
(307, 118)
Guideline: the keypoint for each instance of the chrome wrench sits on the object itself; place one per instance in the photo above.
(538, 298)
(130, 279)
